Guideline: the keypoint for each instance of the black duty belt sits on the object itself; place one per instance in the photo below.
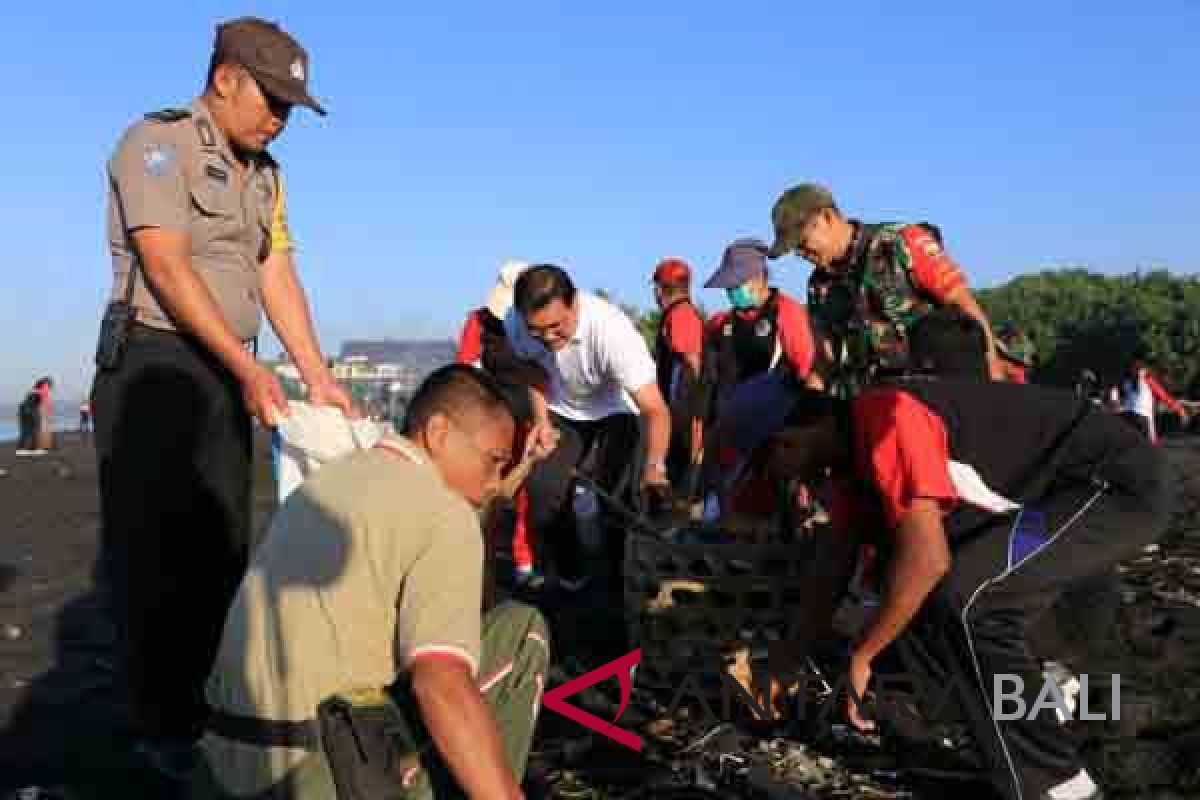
(143, 330)
(265, 732)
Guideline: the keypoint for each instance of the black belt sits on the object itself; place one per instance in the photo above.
(265, 732)
(150, 331)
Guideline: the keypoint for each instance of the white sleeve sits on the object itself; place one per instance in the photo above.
(627, 357)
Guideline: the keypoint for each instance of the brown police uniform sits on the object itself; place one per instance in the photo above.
(173, 436)
(175, 170)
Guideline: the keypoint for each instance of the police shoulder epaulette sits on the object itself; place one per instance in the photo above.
(169, 115)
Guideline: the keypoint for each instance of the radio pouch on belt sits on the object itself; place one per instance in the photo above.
(370, 744)
(118, 320)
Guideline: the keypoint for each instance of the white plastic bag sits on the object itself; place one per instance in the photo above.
(312, 436)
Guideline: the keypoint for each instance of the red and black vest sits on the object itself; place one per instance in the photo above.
(747, 346)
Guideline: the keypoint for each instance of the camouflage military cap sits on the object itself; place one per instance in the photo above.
(792, 210)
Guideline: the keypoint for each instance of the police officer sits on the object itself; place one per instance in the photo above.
(871, 282)
(197, 228)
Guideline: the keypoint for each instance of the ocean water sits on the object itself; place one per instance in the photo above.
(8, 427)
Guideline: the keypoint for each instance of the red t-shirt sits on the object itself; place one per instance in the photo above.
(901, 448)
(931, 267)
(684, 329)
(470, 341)
(795, 333)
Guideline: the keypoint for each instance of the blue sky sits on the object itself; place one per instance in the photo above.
(1034, 134)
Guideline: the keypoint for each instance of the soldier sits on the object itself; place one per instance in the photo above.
(197, 226)
(871, 282)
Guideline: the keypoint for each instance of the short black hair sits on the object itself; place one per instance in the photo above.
(455, 390)
(948, 341)
(541, 285)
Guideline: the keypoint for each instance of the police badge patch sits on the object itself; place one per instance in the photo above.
(158, 158)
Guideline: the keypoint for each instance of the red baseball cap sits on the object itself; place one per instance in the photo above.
(673, 272)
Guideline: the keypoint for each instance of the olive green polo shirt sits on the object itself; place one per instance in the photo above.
(372, 564)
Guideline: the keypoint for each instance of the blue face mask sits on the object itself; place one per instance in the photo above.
(741, 297)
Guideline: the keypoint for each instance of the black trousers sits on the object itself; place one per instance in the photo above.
(1140, 424)
(27, 428)
(974, 626)
(614, 442)
(174, 445)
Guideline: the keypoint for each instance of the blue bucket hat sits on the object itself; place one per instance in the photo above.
(743, 260)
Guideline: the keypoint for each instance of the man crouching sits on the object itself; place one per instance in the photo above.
(355, 661)
(985, 501)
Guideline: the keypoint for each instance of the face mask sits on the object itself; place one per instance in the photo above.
(741, 297)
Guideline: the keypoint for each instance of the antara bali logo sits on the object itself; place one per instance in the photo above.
(623, 669)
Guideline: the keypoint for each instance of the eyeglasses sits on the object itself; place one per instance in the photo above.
(556, 328)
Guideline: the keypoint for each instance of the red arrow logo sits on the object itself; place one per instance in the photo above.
(621, 667)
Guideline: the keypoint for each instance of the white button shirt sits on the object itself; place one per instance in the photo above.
(592, 377)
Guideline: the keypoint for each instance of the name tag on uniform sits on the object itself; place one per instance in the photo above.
(216, 173)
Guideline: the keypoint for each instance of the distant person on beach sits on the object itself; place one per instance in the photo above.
(85, 418)
(45, 430)
(29, 421)
(200, 245)
(1138, 390)
(362, 608)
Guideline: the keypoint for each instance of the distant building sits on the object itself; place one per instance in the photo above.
(381, 374)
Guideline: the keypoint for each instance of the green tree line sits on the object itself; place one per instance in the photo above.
(1083, 320)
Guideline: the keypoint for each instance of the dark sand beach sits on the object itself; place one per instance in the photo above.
(61, 723)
